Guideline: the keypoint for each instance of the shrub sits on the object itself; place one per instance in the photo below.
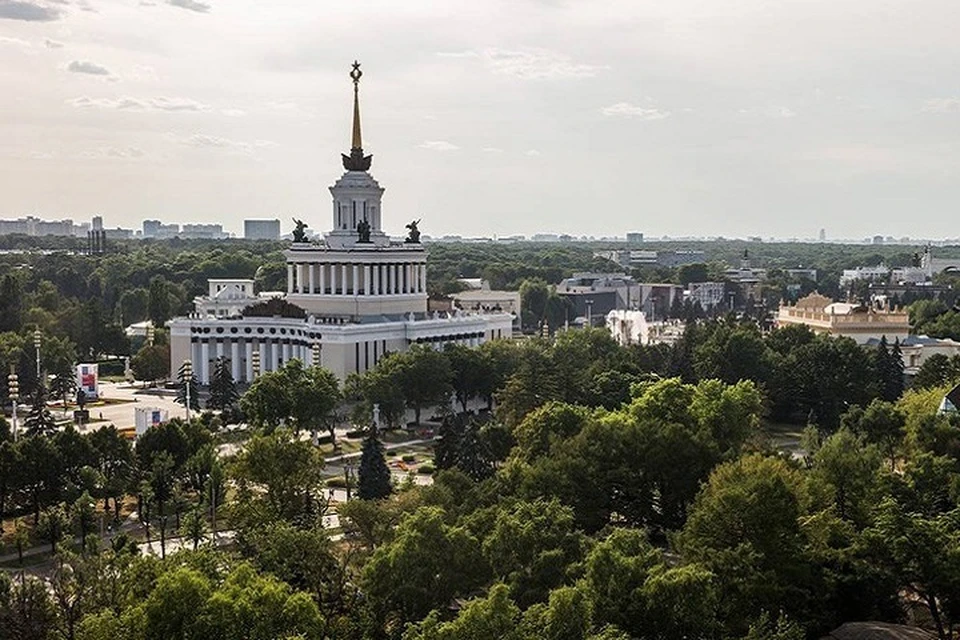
(409, 458)
(425, 469)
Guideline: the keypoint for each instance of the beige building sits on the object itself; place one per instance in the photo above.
(860, 323)
(363, 295)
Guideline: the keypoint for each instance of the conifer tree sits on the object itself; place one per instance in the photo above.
(223, 388)
(39, 421)
(374, 480)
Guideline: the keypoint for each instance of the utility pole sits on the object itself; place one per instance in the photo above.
(188, 380)
(37, 338)
(13, 391)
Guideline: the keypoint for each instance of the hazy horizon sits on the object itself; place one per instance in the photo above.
(676, 118)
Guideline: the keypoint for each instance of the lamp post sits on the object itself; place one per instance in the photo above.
(37, 338)
(255, 362)
(188, 380)
(317, 353)
(13, 391)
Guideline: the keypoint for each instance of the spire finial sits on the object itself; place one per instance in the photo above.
(356, 161)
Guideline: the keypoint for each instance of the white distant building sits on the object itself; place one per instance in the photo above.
(707, 294)
(629, 326)
(879, 272)
(860, 323)
(363, 294)
(228, 297)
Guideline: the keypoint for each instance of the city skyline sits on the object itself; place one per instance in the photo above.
(671, 119)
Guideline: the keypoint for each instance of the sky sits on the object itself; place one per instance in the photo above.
(667, 117)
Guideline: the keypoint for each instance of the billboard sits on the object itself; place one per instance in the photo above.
(87, 380)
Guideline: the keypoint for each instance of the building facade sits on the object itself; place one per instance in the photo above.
(362, 295)
(860, 323)
(261, 229)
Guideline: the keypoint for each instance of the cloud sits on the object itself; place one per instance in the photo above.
(52, 44)
(775, 111)
(627, 110)
(204, 141)
(191, 5)
(162, 103)
(123, 153)
(529, 63)
(492, 150)
(532, 153)
(438, 145)
(234, 113)
(941, 105)
(15, 42)
(83, 66)
(28, 11)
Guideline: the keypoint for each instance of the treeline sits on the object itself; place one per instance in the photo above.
(604, 497)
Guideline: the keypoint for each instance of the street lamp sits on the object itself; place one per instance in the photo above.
(255, 362)
(13, 391)
(188, 379)
(37, 337)
(348, 476)
(316, 354)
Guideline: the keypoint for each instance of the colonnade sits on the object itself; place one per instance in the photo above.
(356, 278)
(274, 353)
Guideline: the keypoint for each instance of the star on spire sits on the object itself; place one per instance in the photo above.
(356, 161)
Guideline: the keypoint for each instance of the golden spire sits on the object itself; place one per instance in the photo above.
(356, 161)
(355, 75)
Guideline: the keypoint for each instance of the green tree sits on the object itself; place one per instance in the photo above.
(116, 464)
(11, 303)
(743, 526)
(423, 376)
(492, 616)
(471, 372)
(374, 474)
(848, 469)
(194, 527)
(286, 471)
(39, 420)
(151, 362)
(158, 304)
(52, 525)
(530, 546)
(427, 563)
(223, 389)
(301, 398)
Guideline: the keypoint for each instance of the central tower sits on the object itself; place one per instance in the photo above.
(358, 273)
(356, 195)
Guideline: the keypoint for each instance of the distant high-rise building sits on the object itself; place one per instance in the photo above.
(97, 223)
(261, 229)
(214, 231)
(823, 235)
(634, 238)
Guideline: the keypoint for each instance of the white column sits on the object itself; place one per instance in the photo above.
(343, 278)
(423, 278)
(218, 349)
(366, 279)
(409, 271)
(313, 285)
(323, 277)
(235, 360)
(249, 363)
(289, 277)
(195, 356)
(275, 354)
(375, 276)
(391, 280)
(204, 362)
(356, 279)
(286, 353)
(333, 279)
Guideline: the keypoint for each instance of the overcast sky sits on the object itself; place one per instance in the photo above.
(680, 117)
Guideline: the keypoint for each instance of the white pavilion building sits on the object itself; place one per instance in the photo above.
(364, 296)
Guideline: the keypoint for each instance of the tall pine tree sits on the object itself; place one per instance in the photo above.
(889, 366)
(223, 388)
(39, 421)
(374, 481)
